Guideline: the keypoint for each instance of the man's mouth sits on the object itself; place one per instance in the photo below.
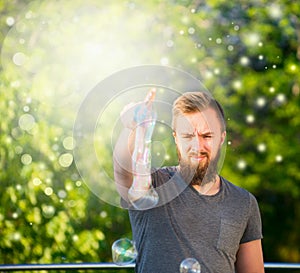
(199, 157)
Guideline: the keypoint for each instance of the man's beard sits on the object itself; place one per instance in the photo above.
(199, 174)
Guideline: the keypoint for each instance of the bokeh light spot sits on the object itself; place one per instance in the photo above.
(278, 158)
(252, 39)
(281, 98)
(36, 181)
(69, 143)
(65, 160)
(10, 21)
(48, 211)
(241, 164)
(19, 59)
(219, 41)
(62, 194)
(15, 215)
(191, 30)
(26, 122)
(164, 61)
(26, 159)
(261, 102)
(237, 84)
(48, 191)
(275, 11)
(261, 147)
(271, 89)
(250, 119)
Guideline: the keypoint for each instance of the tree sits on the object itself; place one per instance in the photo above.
(53, 53)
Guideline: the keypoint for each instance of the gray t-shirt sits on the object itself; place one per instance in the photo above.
(207, 228)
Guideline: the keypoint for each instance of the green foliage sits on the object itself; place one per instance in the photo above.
(245, 52)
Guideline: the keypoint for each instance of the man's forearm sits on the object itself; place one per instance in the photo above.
(122, 159)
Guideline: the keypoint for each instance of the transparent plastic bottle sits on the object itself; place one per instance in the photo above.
(141, 194)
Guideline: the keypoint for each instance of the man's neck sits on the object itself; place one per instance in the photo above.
(209, 188)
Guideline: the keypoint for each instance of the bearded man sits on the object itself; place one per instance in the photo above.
(199, 214)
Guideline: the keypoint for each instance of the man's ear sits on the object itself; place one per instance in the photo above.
(223, 137)
(175, 137)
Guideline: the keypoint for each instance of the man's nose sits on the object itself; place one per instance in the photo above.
(198, 143)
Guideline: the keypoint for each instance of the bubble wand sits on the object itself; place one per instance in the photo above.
(141, 194)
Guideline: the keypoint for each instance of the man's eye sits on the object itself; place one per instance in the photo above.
(188, 136)
(208, 136)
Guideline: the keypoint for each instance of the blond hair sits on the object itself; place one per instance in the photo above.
(191, 102)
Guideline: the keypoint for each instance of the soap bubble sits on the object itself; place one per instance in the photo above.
(190, 265)
(122, 88)
(123, 251)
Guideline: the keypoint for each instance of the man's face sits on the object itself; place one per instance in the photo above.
(199, 137)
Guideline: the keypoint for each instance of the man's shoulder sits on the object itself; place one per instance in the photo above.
(238, 200)
(234, 189)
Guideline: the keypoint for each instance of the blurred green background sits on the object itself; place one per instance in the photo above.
(54, 52)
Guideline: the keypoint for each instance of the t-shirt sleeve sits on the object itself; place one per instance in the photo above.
(253, 229)
(161, 175)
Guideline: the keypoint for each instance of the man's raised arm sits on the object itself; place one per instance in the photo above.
(132, 154)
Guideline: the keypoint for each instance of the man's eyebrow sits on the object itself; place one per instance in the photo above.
(193, 133)
(208, 133)
(187, 133)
